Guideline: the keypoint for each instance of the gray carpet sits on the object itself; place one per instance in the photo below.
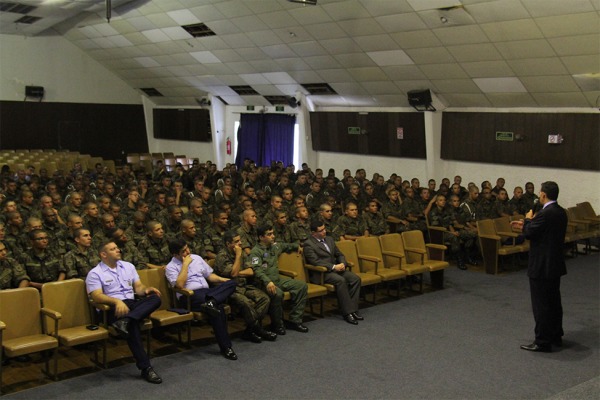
(458, 343)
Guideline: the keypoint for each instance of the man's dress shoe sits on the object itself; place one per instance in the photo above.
(350, 319)
(122, 327)
(266, 335)
(297, 327)
(279, 330)
(251, 337)
(537, 348)
(229, 354)
(357, 316)
(151, 376)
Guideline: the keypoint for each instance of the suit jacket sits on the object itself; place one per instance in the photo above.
(546, 231)
(316, 254)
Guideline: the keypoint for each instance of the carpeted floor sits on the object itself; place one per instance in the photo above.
(458, 343)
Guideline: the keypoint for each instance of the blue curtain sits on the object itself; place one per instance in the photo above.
(265, 138)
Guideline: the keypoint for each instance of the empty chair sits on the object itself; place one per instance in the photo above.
(371, 259)
(429, 255)
(491, 246)
(292, 266)
(21, 329)
(170, 164)
(70, 299)
(133, 159)
(348, 248)
(162, 316)
(587, 212)
(394, 256)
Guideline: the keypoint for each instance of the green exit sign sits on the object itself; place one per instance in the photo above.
(354, 130)
(505, 136)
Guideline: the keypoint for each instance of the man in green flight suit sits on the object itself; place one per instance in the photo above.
(263, 259)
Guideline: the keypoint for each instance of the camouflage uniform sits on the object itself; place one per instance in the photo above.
(77, 264)
(67, 210)
(213, 239)
(414, 208)
(300, 231)
(130, 253)
(201, 221)
(248, 235)
(485, 210)
(444, 218)
(462, 216)
(314, 200)
(253, 302)
(11, 274)
(519, 205)
(136, 235)
(264, 263)
(529, 200)
(502, 207)
(154, 252)
(470, 207)
(283, 234)
(92, 225)
(42, 268)
(376, 223)
(350, 226)
(57, 234)
(196, 245)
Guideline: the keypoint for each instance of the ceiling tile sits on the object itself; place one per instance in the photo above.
(430, 55)
(475, 52)
(292, 64)
(278, 51)
(403, 72)
(541, 66)
(455, 86)
(544, 8)
(276, 19)
(205, 57)
(499, 10)
(322, 62)
(237, 40)
(443, 71)
(467, 100)
(511, 100)
(461, 35)
(207, 13)
(512, 30)
(340, 46)
(382, 87)
(141, 23)
(367, 74)
(177, 33)
(525, 49)
(265, 66)
(348, 88)
(391, 57)
(356, 27)
(223, 27)
(162, 20)
(573, 24)
(293, 34)
(582, 64)
(379, 8)
(233, 8)
(561, 100)
(227, 55)
(416, 39)
(401, 22)
(183, 17)
(324, 31)
(251, 53)
(248, 23)
(334, 75)
(241, 67)
(309, 15)
(344, 10)
(355, 60)
(500, 85)
(305, 76)
(487, 69)
(310, 48)
(576, 45)
(263, 38)
(554, 83)
(279, 78)
(156, 35)
(376, 43)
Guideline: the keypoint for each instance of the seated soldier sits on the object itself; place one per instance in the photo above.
(518, 203)
(350, 226)
(154, 248)
(129, 251)
(74, 206)
(412, 211)
(189, 233)
(56, 231)
(392, 211)
(253, 302)
(91, 220)
(213, 236)
(14, 231)
(172, 224)
(442, 217)
(190, 271)
(137, 230)
(198, 215)
(466, 226)
(376, 223)
(78, 262)
(328, 219)
(276, 206)
(485, 206)
(247, 230)
(12, 273)
(529, 196)
(470, 205)
(300, 228)
(107, 222)
(502, 207)
(281, 228)
(264, 261)
(315, 198)
(120, 220)
(41, 264)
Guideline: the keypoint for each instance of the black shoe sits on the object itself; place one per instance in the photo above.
(461, 264)
(279, 330)
(472, 261)
(229, 354)
(558, 342)
(266, 335)
(357, 316)
(537, 348)
(297, 327)
(251, 337)
(350, 319)
(122, 327)
(151, 376)
(211, 308)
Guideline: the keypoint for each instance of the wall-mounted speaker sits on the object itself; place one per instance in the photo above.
(36, 92)
(420, 100)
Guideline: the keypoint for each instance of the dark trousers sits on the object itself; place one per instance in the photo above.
(347, 289)
(547, 310)
(219, 294)
(138, 311)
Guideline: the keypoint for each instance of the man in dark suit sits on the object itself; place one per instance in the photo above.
(320, 250)
(546, 231)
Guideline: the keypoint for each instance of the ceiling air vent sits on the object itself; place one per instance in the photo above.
(28, 19)
(16, 8)
(151, 92)
(244, 90)
(318, 88)
(199, 30)
(277, 100)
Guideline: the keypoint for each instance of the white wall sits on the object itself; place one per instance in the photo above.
(67, 74)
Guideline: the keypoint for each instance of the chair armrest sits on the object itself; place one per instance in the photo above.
(2, 326)
(289, 274)
(316, 268)
(184, 292)
(369, 258)
(436, 246)
(491, 237)
(392, 254)
(55, 315)
(393, 220)
(509, 234)
(414, 250)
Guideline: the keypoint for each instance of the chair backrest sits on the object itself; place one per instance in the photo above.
(155, 277)
(69, 298)
(20, 311)
(502, 224)
(414, 239)
(486, 227)
(348, 249)
(293, 262)
(369, 246)
(392, 242)
(587, 210)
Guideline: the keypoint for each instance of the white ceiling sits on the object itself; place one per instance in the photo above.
(489, 53)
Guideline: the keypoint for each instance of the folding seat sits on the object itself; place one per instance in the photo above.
(348, 248)
(429, 255)
(371, 260)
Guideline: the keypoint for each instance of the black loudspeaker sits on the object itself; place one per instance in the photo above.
(420, 100)
(34, 91)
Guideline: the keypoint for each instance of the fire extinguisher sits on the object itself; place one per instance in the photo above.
(228, 146)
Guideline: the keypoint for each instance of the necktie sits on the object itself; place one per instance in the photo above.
(325, 244)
